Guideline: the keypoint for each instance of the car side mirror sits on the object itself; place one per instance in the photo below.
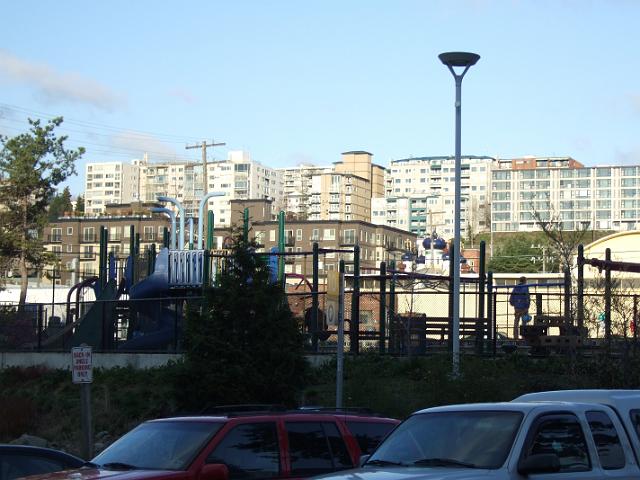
(539, 463)
(214, 471)
(363, 459)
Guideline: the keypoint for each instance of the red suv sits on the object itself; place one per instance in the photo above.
(247, 446)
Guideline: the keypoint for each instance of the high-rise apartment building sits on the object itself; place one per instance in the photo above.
(525, 190)
(238, 177)
(297, 187)
(109, 183)
(420, 195)
(346, 191)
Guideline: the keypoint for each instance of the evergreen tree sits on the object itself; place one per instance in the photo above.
(79, 205)
(32, 165)
(243, 346)
(60, 204)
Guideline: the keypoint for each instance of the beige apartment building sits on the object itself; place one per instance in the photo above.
(76, 240)
(346, 192)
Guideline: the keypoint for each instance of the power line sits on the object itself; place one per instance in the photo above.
(102, 126)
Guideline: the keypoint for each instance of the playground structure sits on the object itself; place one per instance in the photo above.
(397, 308)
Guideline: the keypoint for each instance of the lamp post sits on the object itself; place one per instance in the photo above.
(464, 61)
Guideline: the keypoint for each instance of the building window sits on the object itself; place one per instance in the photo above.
(329, 234)
(349, 237)
(69, 230)
(299, 234)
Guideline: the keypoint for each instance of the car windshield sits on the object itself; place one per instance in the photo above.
(461, 439)
(170, 445)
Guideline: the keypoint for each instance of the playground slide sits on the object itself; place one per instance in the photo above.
(154, 327)
(91, 328)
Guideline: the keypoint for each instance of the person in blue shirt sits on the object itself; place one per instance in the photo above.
(519, 300)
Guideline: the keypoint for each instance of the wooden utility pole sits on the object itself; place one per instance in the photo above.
(204, 145)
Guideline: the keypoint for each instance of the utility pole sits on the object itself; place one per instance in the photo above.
(204, 145)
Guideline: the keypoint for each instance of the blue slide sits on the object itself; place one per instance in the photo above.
(154, 327)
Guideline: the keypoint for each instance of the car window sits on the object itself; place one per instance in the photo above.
(369, 434)
(482, 439)
(21, 465)
(561, 435)
(316, 447)
(607, 440)
(167, 445)
(250, 451)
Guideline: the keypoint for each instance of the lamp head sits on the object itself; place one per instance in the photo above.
(459, 59)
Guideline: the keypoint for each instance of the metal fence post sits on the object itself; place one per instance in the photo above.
(490, 312)
(567, 298)
(314, 298)
(480, 325)
(580, 298)
(607, 295)
(354, 329)
(392, 309)
(383, 306)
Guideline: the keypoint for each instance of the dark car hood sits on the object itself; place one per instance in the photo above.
(408, 473)
(96, 474)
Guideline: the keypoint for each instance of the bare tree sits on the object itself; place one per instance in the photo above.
(563, 243)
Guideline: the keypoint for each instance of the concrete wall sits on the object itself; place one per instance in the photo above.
(139, 361)
(62, 360)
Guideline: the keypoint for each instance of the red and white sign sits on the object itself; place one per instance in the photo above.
(81, 366)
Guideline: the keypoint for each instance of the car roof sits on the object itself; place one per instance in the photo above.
(513, 406)
(42, 451)
(614, 398)
(287, 415)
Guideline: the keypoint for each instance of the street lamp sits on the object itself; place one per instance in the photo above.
(464, 61)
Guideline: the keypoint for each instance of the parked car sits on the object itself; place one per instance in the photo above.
(581, 434)
(247, 445)
(20, 461)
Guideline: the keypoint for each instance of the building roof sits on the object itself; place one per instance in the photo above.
(356, 152)
(443, 157)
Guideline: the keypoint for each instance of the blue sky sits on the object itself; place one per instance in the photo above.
(306, 80)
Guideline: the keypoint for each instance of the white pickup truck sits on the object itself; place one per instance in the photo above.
(572, 434)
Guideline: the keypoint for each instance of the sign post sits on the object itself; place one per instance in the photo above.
(335, 299)
(82, 373)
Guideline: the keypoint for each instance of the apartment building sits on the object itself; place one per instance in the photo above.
(377, 242)
(345, 192)
(420, 195)
(297, 186)
(237, 177)
(240, 177)
(109, 183)
(76, 242)
(561, 189)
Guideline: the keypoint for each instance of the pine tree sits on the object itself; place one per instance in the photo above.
(244, 346)
(79, 205)
(32, 165)
(60, 204)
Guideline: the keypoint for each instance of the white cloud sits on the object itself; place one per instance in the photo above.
(56, 86)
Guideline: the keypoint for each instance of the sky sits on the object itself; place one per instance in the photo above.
(303, 81)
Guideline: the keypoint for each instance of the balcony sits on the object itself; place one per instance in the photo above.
(54, 238)
(88, 256)
(149, 237)
(115, 237)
